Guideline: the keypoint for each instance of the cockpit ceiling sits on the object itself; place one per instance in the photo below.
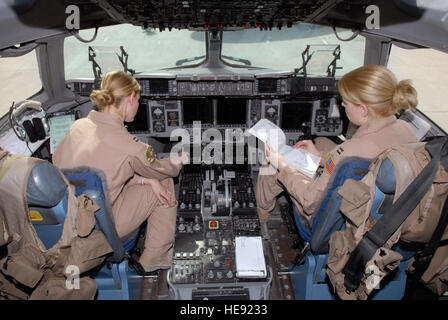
(405, 21)
(230, 14)
(402, 20)
(219, 13)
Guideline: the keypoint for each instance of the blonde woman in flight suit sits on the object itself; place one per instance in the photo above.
(371, 97)
(141, 186)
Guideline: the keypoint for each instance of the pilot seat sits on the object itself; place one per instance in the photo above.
(309, 276)
(47, 196)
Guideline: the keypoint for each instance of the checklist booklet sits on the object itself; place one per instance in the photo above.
(268, 132)
(249, 256)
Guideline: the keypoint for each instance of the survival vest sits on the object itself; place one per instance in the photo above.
(27, 269)
(415, 218)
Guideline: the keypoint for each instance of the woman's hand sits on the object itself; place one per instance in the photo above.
(180, 159)
(307, 145)
(184, 157)
(163, 194)
(274, 158)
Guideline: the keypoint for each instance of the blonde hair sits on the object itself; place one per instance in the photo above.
(377, 87)
(115, 86)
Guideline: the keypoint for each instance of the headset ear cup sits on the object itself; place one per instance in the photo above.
(39, 128)
(30, 131)
(21, 133)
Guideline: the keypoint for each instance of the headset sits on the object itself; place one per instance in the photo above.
(29, 126)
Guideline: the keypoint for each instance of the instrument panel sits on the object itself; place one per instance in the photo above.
(216, 205)
(216, 86)
(299, 105)
(160, 117)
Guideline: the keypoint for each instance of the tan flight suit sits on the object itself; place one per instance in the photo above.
(306, 193)
(102, 141)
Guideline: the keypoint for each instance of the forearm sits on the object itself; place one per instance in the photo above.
(158, 169)
(139, 180)
(303, 189)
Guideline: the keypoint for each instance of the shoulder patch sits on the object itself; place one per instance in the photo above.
(150, 154)
(329, 164)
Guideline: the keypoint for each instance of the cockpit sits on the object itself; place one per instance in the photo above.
(208, 73)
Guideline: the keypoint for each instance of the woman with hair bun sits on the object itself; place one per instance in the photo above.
(372, 96)
(140, 185)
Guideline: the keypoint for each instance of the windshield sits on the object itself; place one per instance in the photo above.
(282, 49)
(152, 50)
(148, 50)
(20, 79)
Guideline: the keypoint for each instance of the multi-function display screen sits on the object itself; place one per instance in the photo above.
(140, 122)
(158, 86)
(197, 110)
(232, 111)
(295, 113)
(267, 85)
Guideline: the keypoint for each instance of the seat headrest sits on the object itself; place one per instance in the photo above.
(386, 178)
(45, 187)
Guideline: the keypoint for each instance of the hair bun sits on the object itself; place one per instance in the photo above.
(405, 95)
(115, 86)
(102, 98)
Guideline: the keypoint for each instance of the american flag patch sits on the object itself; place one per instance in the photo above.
(329, 164)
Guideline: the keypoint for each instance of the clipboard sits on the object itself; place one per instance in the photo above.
(249, 257)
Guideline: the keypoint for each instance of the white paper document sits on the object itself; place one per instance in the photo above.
(249, 257)
(302, 160)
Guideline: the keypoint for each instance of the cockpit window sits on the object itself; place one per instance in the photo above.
(282, 49)
(20, 79)
(427, 70)
(152, 50)
(147, 50)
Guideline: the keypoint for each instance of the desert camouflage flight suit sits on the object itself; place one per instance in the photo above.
(306, 193)
(101, 140)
